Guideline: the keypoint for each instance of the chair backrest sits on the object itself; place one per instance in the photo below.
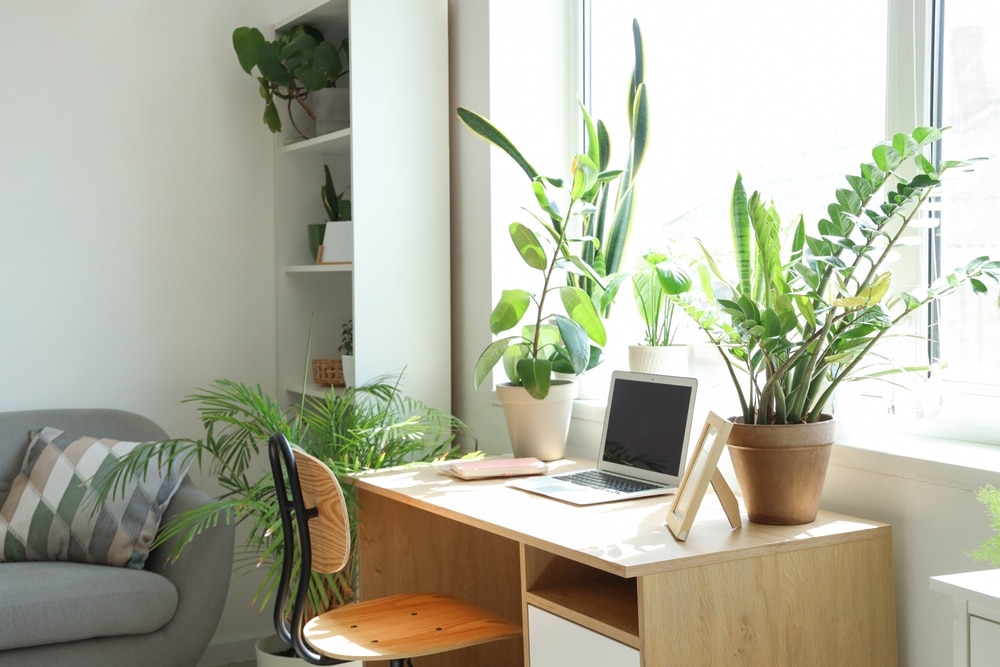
(314, 514)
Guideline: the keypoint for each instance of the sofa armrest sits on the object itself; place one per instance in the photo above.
(201, 573)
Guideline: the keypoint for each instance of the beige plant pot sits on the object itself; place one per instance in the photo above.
(781, 468)
(659, 359)
(538, 428)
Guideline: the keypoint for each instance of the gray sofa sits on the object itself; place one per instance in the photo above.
(61, 613)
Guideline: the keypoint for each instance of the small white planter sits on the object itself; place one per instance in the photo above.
(538, 428)
(268, 648)
(348, 362)
(338, 243)
(659, 359)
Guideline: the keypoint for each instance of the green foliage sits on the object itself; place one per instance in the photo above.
(290, 67)
(989, 550)
(367, 427)
(793, 325)
(337, 207)
(569, 343)
(658, 278)
(614, 195)
(346, 337)
(554, 342)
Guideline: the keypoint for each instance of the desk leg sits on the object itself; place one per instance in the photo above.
(824, 606)
(403, 549)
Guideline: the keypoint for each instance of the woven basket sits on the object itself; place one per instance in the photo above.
(328, 372)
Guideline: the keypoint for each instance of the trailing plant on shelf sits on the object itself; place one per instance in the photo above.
(792, 326)
(290, 67)
(367, 427)
(658, 279)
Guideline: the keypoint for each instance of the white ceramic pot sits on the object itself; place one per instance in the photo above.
(269, 648)
(538, 427)
(348, 362)
(659, 359)
(338, 242)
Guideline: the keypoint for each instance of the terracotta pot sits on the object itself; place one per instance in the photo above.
(538, 428)
(781, 468)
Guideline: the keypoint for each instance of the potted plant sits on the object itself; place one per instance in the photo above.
(565, 341)
(346, 349)
(791, 327)
(332, 242)
(367, 427)
(289, 68)
(658, 278)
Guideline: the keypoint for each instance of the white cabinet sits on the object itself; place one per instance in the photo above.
(976, 621)
(555, 642)
(395, 158)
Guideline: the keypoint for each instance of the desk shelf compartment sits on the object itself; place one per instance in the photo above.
(597, 600)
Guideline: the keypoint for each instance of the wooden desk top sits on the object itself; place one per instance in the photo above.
(628, 538)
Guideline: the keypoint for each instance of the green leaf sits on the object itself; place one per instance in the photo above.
(581, 310)
(509, 310)
(489, 358)
(511, 356)
(739, 218)
(247, 42)
(536, 376)
(640, 127)
(528, 246)
(583, 171)
(576, 342)
(886, 157)
(925, 135)
(270, 66)
(490, 133)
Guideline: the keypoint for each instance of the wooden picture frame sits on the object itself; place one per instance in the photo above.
(703, 469)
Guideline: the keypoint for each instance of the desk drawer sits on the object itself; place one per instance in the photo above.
(555, 642)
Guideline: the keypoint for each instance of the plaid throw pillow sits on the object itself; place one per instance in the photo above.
(49, 512)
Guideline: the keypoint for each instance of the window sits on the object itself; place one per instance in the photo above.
(793, 96)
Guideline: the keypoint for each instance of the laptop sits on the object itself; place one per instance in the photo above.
(643, 447)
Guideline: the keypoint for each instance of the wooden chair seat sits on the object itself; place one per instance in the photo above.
(395, 628)
(406, 625)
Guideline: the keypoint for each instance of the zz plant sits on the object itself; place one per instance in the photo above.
(793, 326)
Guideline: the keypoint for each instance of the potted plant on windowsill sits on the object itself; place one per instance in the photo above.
(791, 327)
(536, 406)
(291, 67)
(346, 349)
(658, 278)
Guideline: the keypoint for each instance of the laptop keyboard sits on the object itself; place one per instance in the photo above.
(598, 479)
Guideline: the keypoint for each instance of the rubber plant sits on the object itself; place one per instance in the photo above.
(792, 327)
(553, 341)
(290, 67)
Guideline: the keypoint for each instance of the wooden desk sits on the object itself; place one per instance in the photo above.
(818, 594)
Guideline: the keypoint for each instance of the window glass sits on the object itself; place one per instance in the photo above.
(970, 104)
(790, 94)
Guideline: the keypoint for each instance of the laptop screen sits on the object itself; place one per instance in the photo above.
(648, 422)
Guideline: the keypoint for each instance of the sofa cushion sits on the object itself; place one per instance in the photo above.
(50, 512)
(49, 603)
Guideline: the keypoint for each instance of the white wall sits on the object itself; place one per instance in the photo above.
(136, 212)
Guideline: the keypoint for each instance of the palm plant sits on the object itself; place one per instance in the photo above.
(792, 327)
(366, 427)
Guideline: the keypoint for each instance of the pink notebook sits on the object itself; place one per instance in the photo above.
(483, 468)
